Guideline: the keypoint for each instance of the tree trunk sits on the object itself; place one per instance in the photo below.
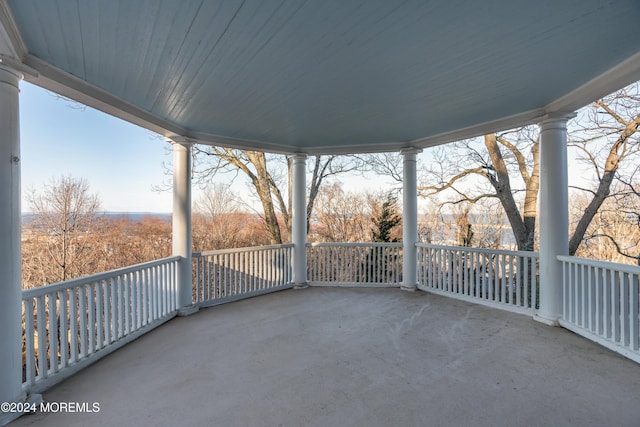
(502, 186)
(261, 183)
(617, 151)
(532, 186)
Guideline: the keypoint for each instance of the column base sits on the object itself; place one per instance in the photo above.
(188, 310)
(409, 288)
(546, 321)
(301, 286)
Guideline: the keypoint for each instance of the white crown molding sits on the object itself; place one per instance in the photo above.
(11, 43)
(616, 78)
(516, 120)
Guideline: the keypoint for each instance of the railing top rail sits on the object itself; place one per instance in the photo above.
(238, 250)
(632, 269)
(68, 284)
(530, 254)
(354, 244)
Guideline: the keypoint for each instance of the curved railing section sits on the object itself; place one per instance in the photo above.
(71, 324)
(498, 278)
(231, 274)
(354, 264)
(601, 301)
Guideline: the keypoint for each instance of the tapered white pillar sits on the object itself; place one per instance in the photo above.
(181, 231)
(553, 215)
(299, 218)
(409, 220)
(10, 256)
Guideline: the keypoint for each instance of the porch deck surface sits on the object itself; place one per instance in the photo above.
(353, 357)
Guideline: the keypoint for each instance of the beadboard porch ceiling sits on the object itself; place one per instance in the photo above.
(330, 76)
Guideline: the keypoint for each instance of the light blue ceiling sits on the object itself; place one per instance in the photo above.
(327, 75)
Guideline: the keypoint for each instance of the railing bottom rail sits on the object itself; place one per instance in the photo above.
(354, 285)
(75, 367)
(239, 297)
(633, 355)
(487, 303)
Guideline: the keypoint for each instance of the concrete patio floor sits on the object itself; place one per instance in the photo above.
(353, 357)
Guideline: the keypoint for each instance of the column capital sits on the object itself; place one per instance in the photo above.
(16, 67)
(181, 140)
(297, 157)
(556, 120)
(9, 75)
(410, 150)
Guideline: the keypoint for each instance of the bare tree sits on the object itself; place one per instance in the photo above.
(270, 178)
(609, 141)
(464, 230)
(386, 164)
(502, 156)
(216, 201)
(606, 133)
(614, 232)
(65, 213)
(218, 222)
(490, 226)
(340, 216)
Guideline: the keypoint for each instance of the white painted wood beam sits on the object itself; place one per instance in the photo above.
(181, 221)
(299, 217)
(553, 214)
(409, 220)
(10, 243)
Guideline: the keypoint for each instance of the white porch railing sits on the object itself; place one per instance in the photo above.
(354, 264)
(503, 279)
(230, 274)
(71, 324)
(601, 301)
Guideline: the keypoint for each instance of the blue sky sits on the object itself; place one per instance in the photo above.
(122, 162)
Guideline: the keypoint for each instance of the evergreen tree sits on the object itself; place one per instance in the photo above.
(386, 220)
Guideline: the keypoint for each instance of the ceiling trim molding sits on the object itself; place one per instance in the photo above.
(623, 74)
(523, 119)
(9, 27)
(271, 147)
(510, 122)
(383, 147)
(67, 85)
(240, 143)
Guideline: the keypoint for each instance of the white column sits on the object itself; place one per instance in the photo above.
(10, 256)
(181, 231)
(553, 215)
(299, 218)
(409, 220)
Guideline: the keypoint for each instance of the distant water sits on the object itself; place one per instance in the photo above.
(137, 216)
(131, 216)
